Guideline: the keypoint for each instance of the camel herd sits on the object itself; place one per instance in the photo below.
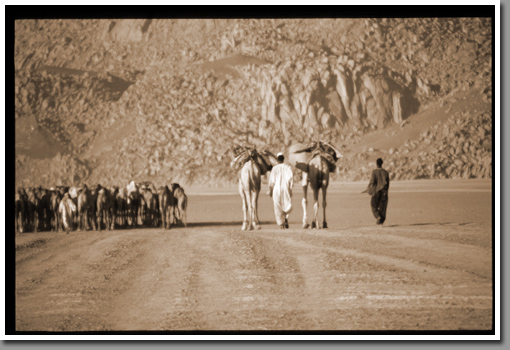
(70, 208)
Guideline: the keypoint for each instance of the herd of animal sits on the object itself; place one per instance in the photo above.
(70, 208)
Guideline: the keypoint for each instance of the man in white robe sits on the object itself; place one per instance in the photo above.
(280, 188)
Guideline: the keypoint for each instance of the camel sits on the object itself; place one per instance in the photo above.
(133, 201)
(103, 212)
(86, 212)
(316, 166)
(122, 206)
(318, 178)
(149, 207)
(253, 166)
(33, 209)
(181, 204)
(249, 189)
(111, 205)
(55, 199)
(166, 205)
(20, 208)
(44, 208)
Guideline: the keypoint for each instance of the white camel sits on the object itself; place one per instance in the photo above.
(250, 184)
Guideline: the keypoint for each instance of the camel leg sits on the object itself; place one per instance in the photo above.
(315, 223)
(93, 219)
(304, 203)
(245, 210)
(255, 214)
(52, 223)
(36, 222)
(99, 217)
(90, 221)
(169, 217)
(106, 216)
(249, 209)
(324, 191)
(67, 227)
(174, 213)
(185, 205)
(86, 220)
(19, 222)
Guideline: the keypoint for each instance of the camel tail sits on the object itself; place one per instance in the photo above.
(184, 207)
(324, 169)
(184, 204)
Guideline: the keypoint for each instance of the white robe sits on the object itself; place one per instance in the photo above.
(66, 208)
(281, 181)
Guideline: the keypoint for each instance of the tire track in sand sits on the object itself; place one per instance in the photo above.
(347, 279)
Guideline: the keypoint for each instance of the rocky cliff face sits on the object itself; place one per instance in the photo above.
(164, 100)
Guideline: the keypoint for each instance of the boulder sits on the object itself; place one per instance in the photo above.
(128, 30)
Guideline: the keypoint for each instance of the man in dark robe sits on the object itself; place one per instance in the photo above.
(378, 189)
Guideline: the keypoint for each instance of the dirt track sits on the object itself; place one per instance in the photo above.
(428, 268)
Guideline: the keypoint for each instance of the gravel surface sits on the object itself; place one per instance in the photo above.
(428, 268)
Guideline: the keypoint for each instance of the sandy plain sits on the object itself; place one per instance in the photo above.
(429, 267)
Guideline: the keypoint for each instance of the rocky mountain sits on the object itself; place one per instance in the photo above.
(110, 101)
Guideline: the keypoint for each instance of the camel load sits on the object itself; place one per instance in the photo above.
(243, 154)
(300, 155)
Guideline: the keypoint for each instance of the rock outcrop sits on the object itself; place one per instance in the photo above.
(190, 89)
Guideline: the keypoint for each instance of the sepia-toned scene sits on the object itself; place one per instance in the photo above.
(254, 174)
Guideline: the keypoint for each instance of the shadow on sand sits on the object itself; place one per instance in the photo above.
(226, 223)
(143, 227)
(432, 224)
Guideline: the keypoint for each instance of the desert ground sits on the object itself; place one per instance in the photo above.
(429, 267)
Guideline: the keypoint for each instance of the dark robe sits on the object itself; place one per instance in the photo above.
(378, 189)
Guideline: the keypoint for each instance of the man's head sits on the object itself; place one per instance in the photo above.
(280, 157)
(379, 162)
